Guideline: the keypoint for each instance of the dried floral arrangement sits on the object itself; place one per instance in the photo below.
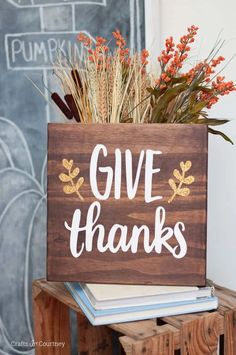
(115, 86)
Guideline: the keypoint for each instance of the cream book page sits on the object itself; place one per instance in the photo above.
(102, 292)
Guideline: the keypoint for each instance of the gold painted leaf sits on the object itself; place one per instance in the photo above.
(188, 165)
(185, 166)
(184, 192)
(172, 184)
(72, 187)
(189, 180)
(79, 183)
(182, 165)
(69, 189)
(181, 180)
(64, 178)
(74, 173)
(177, 174)
(67, 163)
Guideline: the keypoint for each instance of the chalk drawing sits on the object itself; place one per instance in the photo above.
(17, 3)
(138, 26)
(27, 195)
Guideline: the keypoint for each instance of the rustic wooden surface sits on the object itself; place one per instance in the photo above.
(177, 143)
(93, 340)
(200, 336)
(51, 324)
(192, 334)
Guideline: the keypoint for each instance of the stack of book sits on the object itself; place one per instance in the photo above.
(106, 304)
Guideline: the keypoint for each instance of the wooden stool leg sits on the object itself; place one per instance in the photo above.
(93, 340)
(51, 324)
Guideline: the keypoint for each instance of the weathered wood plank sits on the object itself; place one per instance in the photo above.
(162, 344)
(165, 343)
(127, 344)
(58, 291)
(177, 321)
(51, 324)
(143, 330)
(136, 330)
(200, 336)
(93, 340)
(230, 332)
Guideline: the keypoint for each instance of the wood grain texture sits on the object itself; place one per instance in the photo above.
(162, 344)
(177, 143)
(127, 344)
(227, 309)
(58, 291)
(200, 336)
(148, 338)
(193, 334)
(93, 340)
(230, 332)
(51, 324)
(145, 329)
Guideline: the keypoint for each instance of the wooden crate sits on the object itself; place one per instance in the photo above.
(191, 334)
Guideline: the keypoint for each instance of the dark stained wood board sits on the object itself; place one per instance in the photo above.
(177, 143)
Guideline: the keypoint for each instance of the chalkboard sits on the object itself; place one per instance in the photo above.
(32, 32)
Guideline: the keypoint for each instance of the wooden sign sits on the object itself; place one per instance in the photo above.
(127, 203)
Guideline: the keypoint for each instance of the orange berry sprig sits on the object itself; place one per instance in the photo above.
(144, 57)
(219, 87)
(223, 87)
(172, 58)
(100, 41)
(86, 40)
(122, 50)
(177, 97)
(207, 68)
(120, 41)
(97, 54)
(166, 54)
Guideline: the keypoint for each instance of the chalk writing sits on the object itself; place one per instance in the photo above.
(39, 51)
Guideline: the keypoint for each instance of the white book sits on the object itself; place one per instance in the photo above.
(129, 314)
(107, 296)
